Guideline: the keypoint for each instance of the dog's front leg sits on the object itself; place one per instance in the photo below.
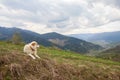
(31, 56)
(36, 54)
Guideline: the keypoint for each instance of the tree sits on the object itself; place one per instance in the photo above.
(16, 38)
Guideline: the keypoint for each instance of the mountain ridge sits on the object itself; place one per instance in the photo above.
(97, 35)
(68, 42)
(50, 39)
(104, 39)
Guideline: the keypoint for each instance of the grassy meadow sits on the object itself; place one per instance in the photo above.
(55, 64)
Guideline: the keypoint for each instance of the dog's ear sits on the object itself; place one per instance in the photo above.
(33, 44)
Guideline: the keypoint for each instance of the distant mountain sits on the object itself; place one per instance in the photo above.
(70, 43)
(112, 54)
(100, 38)
(27, 36)
(50, 39)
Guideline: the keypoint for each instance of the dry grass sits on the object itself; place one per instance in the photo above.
(17, 66)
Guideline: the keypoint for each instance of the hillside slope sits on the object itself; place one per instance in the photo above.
(27, 36)
(50, 40)
(111, 54)
(53, 65)
(70, 43)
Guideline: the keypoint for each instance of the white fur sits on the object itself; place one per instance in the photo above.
(31, 50)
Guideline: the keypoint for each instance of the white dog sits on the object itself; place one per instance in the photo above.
(31, 49)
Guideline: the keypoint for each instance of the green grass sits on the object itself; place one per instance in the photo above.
(59, 55)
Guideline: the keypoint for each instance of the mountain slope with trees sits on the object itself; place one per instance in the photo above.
(50, 40)
(70, 43)
(111, 54)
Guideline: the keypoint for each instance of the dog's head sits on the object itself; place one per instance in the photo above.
(34, 44)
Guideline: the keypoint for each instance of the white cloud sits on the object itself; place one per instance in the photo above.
(63, 16)
(39, 28)
(110, 27)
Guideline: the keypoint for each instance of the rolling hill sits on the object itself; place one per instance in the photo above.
(27, 36)
(111, 54)
(54, 64)
(70, 43)
(50, 40)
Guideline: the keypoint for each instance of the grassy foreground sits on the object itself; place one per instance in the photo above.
(54, 64)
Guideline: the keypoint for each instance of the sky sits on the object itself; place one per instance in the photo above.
(62, 16)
